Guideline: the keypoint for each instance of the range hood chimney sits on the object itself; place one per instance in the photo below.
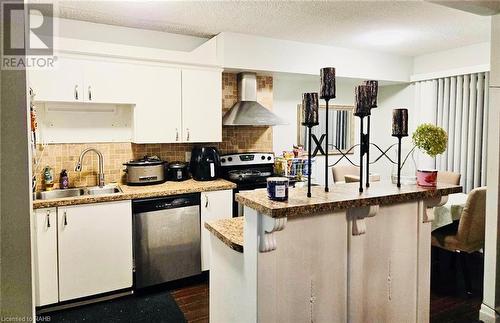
(247, 111)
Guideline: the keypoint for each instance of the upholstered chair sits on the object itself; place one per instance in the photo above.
(468, 236)
(448, 177)
(339, 172)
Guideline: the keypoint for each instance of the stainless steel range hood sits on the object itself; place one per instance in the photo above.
(247, 111)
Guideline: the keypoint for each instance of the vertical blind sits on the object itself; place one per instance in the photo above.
(462, 110)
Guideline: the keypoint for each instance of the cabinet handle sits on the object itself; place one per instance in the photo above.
(65, 219)
(90, 93)
(48, 219)
(206, 200)
(176, 134)
(187, 134)
(76, 92)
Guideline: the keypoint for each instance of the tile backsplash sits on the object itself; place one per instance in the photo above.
(234, 139)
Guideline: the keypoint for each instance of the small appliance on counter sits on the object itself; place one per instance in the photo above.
(205, 163)
(145, 171)
(178, 171)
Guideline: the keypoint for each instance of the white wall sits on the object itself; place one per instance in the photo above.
(126, 36)
(287, 92)
(463, 60)
(248, 52)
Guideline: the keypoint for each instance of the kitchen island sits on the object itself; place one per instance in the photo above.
(341, 256)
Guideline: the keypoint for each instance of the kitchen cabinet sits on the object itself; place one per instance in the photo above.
(63, 83)
(201, 105)
(214, 205)
(157, 113)
(383, 264)
(95, 249)
(80, 80)
(45, 257)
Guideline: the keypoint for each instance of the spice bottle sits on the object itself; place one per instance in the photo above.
(63, 179)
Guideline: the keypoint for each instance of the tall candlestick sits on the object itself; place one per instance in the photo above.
(400, 122)
(373, 85)
(327, 92)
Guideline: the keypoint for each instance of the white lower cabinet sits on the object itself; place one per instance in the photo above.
(214, 205)
(86, 250)
(45, 257)
(95, 249)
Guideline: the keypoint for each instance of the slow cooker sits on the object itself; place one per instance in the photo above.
(144, 171)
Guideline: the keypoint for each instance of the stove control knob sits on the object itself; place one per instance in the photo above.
(268, 157)
(223, 160)
(263, 157)
(230, 159)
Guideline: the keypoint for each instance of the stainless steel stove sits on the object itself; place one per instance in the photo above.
(248, 171)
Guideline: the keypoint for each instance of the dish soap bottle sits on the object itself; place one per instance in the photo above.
(63, 179)
(48, 178)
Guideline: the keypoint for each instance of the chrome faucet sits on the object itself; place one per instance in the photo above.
(100, 175)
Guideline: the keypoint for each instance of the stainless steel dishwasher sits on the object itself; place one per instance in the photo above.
(166, 239)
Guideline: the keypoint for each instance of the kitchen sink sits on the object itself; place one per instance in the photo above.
(74, 192)
(103, 190)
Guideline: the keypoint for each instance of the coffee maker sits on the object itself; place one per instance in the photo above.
(205, 163)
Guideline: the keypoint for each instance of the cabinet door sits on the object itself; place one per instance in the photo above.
(45, 256)
(109, 82)
(157, 113)
(63, 83)
(214, 205)
(95, 249)
(383, 266)
(201, 105)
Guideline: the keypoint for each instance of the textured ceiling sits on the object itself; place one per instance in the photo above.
(401, 27)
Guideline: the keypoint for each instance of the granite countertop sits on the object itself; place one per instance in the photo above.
(229, 231)
(139, 192)
(341, 196)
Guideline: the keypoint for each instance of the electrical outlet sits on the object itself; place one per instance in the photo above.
(188, 155)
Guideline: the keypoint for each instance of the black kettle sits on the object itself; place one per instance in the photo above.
(205, 163)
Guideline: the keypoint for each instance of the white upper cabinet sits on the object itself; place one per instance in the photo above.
(63, 83)
(201, 105)
(45, 257)
(109, 82)
(170, 104)
(214, 205)
(95, 249)
(157, 113)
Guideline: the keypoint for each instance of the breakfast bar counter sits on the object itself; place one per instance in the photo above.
(341, 256)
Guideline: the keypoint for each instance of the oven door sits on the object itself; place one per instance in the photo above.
(237, 207)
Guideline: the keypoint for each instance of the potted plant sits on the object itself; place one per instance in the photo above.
(432, 140)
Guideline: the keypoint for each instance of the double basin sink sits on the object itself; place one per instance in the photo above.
(75, 192)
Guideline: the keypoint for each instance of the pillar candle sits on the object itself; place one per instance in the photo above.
(400, 122)
(310, 109)
(327, 87)
(362, 96)
(373, 92)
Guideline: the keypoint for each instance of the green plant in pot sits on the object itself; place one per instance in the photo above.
(431, 140)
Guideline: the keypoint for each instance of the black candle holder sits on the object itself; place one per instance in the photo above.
(362, 110)
(310, 118)
(399, 130)
(373, 91)
(327, 92)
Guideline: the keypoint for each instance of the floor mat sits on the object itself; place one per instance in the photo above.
(157, 307)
